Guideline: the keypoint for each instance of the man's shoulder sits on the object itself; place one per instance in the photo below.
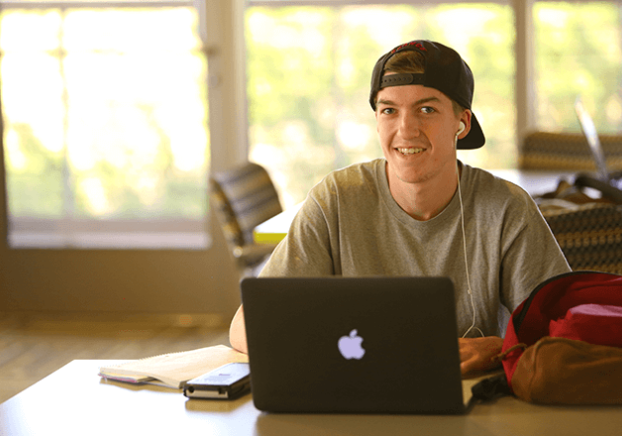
(485, 182)
(497, 193)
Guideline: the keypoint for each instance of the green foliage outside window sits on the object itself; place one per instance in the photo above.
(578, 52)
(104, 113)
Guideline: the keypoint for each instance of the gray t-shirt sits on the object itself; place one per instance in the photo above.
(350, 225)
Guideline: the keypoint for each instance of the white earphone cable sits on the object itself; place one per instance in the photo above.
(464, 246)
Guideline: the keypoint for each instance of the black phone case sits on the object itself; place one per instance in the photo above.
(219, 385)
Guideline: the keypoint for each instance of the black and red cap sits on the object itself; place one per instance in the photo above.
(444, 70)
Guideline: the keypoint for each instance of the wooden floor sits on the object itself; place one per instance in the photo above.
(34, 345)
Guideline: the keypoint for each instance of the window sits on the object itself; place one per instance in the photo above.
(105, 124)
(578, 52)
(308, 64)
(309, 71)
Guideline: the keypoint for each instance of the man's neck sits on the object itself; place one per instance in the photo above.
(425, 200)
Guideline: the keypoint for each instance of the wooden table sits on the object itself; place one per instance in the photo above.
(534, 182)
(75, 401)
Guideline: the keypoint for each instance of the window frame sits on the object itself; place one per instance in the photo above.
(70, 232)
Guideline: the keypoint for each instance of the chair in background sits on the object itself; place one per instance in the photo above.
(244, 197)
(588, 230)
(590, 235)
(567, 152)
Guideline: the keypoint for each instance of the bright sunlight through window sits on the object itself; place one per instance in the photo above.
(105, 126)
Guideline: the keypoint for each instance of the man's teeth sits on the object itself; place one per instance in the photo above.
(410, 150)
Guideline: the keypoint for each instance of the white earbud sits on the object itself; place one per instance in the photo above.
(462, 127)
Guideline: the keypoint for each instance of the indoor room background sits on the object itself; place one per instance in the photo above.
(114, 113)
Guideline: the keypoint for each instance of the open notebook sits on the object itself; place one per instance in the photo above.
(174, 369)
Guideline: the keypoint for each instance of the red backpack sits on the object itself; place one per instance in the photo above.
(563, 344)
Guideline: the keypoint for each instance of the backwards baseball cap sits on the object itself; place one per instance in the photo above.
(444, 70)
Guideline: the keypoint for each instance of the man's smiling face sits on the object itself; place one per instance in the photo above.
(417, 126)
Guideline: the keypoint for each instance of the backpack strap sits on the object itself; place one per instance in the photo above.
(491, 388)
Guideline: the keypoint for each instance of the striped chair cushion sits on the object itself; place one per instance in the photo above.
(590, 236)
(567, 152)
(250, 199)
(228, 221)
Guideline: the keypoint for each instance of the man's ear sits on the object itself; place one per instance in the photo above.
(465, 118)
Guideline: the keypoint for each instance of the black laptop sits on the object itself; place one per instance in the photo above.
(353, 345)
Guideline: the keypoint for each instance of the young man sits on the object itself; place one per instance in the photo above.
(421, 212)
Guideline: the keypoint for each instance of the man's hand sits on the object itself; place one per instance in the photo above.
(237, 332)
(477, 354)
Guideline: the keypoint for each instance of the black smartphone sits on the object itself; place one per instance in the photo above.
(228, 382)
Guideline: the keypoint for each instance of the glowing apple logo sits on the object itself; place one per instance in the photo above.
(350, 346)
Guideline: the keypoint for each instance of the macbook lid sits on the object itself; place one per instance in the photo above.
(353, 345)
(589, 130)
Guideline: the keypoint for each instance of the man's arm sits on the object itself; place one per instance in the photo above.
(304, 252)
(477, 354)
(237, 332)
